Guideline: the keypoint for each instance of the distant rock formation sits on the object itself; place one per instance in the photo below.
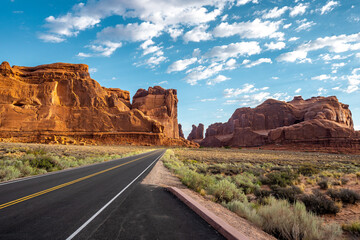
(181, 133)
(318, 120)
(197, 132)
(61, 101)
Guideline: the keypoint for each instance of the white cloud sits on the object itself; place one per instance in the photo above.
(201, 72)
(353, 81)
(197, 34)
(92, 70)
(181, 65)
(175, 32)
(338, 65)
(243, 2)
(286, 26)
(154, 61)
(162, 82)
(218, 79)
(84, 55)
(292, 39)
(275, 46)
(250, 29)
(304, 25)
(298, 10)
(105, 49)
(258, 62)
(130, 32)
(231, 63)
(321, 91)
(275, 78)
(51, 38)
(328, 7)
(321, 77)
(208, 100)
(256, 99)
(234, 50)
(246, 89)
(275, 12)
(358, 55)
(337, 44)
(298, 90)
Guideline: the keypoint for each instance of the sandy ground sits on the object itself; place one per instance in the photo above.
(162, 177)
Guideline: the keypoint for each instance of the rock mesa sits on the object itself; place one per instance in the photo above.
(318, 121)
(61, 101)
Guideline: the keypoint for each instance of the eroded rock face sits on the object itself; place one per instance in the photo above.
(159, 104)
(62, 98)
(181, 133)
(316, 119)
(197, 132)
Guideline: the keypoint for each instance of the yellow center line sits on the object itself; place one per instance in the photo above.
(65, 184)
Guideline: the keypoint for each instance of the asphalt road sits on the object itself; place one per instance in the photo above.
(80, 203)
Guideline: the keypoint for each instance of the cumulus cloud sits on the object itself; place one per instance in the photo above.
(234, 50)
(304, 25)
(292, 39)
(51, 38)
(328, 7)
(298, 10)
(202, 72)
(197, 34)
(275, 46)
(181, 65)
(246, 88)
(298, 90)
(216, 80)
(105, 49)
(337, 44)
(321, 77)
(275, 12)
(353, 81)
(249, 29)
(258, 62)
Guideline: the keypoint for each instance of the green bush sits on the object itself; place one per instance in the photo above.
(281, 178)
(308, 170)
(225, 191)
(288, 193)
(246, 181)
(344, 195)
(45, 162)
(323, 184)
(195, 180)
(293, 222)
(245, 210)
(352, 227)
(318, 203)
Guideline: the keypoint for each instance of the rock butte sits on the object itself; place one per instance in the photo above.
(60, 103)
(316, 122)
(197, 133)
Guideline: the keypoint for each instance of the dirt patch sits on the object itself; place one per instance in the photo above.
(161, 176)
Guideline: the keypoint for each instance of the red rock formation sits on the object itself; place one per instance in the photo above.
(181, 133)
(159, 104)
(62, 100)
(318, 120)
(197, 133)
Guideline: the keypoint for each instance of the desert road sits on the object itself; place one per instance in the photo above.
(78, 203)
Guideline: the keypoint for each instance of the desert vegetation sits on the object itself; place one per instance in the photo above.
(291, 195)
(21, 160)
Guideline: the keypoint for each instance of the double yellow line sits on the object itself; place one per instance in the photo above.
(5, 205)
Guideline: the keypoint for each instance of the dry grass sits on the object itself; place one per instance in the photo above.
(21, 160)
(259, 174)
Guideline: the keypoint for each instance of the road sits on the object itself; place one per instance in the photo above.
(78, 203)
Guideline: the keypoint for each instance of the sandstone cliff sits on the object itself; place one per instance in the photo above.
(62, 100)
(181, 133)
(319, 120)
(197, 132)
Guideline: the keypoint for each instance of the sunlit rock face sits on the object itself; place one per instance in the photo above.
(318, 119)
(62, 99)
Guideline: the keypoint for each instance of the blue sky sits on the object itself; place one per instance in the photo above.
(219, 54)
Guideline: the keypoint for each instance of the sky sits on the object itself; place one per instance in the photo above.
(219, 54)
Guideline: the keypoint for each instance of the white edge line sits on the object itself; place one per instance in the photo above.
(65, 170)
(107, 204)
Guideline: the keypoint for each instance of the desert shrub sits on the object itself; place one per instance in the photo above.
(290, 222)
(246, 181)
(323, 184)
(45, 162)
(244, 209)
(262, 193)
(318, 203)
(344, 195)
(281, 178)
(344, 181)
(287, 193)
(352, 227)
(225, 191)
(9, 172)
(194, 180)
(308, 170)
